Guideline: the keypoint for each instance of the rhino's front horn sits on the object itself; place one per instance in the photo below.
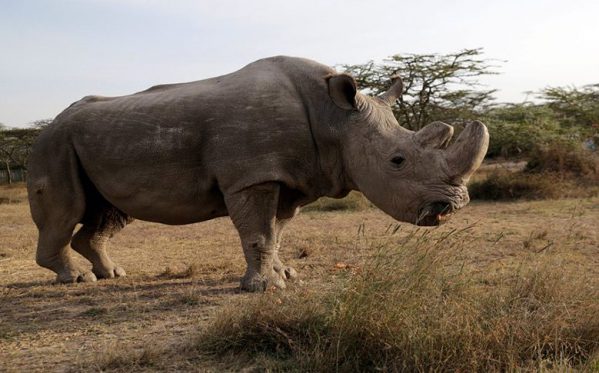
(466, 154)
(394, 92)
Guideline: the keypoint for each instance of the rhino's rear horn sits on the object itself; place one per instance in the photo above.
(466, 154)
(394, 92)
(434, 135)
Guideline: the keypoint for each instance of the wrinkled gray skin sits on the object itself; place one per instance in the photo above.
(256, 145)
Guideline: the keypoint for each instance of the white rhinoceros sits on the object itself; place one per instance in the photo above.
(256, 144)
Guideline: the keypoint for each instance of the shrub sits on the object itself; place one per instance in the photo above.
(563, 157)
(518, 185)
(557, 169)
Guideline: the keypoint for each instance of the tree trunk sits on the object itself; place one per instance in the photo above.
(8, 175)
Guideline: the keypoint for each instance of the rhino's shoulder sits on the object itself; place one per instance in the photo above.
(291, 65)
(162, 87)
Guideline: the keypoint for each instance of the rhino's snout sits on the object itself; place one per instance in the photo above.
(434, 213)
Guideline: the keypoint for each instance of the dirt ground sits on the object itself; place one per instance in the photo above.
(179, 277)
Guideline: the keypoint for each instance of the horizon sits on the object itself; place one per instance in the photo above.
(63, 51)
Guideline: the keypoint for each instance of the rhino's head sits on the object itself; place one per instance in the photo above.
(416, 177)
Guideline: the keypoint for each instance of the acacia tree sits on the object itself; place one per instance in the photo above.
(41, 123)
(572, 106)
(15, 146)
(436, 86)
(7, 151)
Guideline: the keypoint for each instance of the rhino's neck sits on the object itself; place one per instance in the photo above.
(325, 122)
(333, 179)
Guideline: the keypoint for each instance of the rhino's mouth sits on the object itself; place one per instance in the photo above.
(434, 214)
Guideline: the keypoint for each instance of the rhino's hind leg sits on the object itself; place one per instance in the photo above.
(57, 204)
(90, 241)
(284, 271)
(53, 253)
(253, 211)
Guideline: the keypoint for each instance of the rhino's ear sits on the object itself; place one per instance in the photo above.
(342, 89)
(434, 135)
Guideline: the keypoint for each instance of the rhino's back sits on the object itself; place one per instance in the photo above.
(163, 153)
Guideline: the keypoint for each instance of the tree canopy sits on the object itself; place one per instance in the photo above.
(436, 86)
(572, 106)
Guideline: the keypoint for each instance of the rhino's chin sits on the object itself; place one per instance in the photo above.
(434, 214)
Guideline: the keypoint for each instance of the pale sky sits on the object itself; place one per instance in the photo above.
(54, 52)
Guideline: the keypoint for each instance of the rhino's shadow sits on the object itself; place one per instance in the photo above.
(37, 306)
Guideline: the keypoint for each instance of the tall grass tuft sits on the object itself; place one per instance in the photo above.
(415, 306)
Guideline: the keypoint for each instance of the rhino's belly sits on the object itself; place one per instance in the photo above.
(162, 195)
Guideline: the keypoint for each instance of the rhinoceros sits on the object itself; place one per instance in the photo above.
(256, 145)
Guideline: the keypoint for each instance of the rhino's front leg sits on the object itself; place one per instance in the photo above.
(253, 211)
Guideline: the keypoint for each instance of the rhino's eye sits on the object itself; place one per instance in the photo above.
(397, 160)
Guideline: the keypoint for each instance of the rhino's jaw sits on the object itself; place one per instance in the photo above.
(434, 214)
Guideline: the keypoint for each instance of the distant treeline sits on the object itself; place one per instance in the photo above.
(15, 146)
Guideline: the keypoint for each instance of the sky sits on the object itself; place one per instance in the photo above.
(53, 52)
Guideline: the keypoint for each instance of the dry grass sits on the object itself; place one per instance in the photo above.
(515, 290)
(413, 306)
(13, 194)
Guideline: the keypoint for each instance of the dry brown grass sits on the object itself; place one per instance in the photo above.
(523, 271)
(410, 309)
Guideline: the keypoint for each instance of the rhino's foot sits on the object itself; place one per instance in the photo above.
(110, 272)
(256, 282)
(74, 276)
(286, 272)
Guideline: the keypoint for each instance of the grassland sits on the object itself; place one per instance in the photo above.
(502, 286)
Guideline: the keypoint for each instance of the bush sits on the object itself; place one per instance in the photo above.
(565, 158)
(522, 185)
(557, 169)
(518, 185)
